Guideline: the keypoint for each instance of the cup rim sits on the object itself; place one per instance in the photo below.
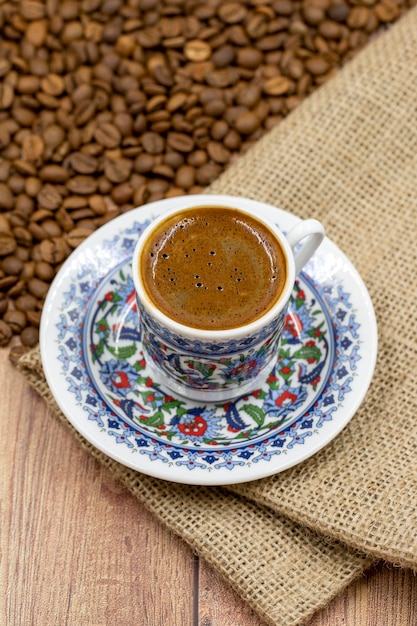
(207, 335)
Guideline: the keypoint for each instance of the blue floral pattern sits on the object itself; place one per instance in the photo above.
(117, 365)
(101, 361)
(106, 369)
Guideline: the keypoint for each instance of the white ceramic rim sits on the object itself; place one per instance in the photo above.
(233, 203)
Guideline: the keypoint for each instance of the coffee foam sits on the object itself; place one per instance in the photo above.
(213, 268)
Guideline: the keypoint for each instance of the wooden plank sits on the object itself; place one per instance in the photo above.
(219, 604)
(383, 596)
(76, 548)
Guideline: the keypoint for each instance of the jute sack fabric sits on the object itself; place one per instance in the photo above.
(347, 156)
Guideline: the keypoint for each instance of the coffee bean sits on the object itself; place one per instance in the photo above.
(83, 185)
(180, 142)
(83, 163)
(185, 177)
(44, 271)
(338, 11)
(358, 17)
(29, 336)
(196, 50)
(6, 96)
(26, 302)
(16, 352)
(28, 270)
(218, 130)
(22, 236)
(107, 105)
(49, 197)
(232, 12)
(17, 288)
(34, 318)
(8, 244)
(54, 173)
(51, 228)
(317, 65)
(387, 11)
(153, 143)
(53, 250)
(37, 287)
(223, 56)
(6, 333)
(217, 152)
(53, 84)
(246, 123)
(174, 159)
(207, 173)
(107, 135)
(118, 170)
(12, 265)
(4, 303)
(6, 282)
(6, 198)
(249, 96)
(278, 86)
(77, 236)
(122, 193)
(16, 320)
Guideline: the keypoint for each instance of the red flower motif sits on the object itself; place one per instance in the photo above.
(131, 296)
(244, 368)
(120, 380)
(109, 296)
(293, 324)
(285, 398)
(311, 344)
(196, 427)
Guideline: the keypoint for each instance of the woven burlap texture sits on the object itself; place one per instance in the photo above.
(347, 156)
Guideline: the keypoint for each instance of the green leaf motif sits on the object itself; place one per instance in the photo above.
(123, 352)
(255, 412)
(157, 419)
(102, 324)
(308, 352)
(204, 369)
(98, 350)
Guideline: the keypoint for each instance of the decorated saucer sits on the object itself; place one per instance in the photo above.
(94, 363)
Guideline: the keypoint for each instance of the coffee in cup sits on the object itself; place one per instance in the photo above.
(213, 268)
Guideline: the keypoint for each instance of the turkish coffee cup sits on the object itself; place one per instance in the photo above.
(213, 280)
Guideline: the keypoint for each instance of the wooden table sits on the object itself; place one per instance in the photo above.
(77, 550)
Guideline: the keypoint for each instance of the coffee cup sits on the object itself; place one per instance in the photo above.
(213, 280)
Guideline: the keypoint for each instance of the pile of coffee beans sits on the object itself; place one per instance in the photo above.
(106, 105)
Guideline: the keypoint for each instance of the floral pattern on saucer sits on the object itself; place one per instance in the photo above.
(118, 368)
(91, 353)
(101, 357)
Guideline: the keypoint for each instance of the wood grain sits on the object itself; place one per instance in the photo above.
(77, 550)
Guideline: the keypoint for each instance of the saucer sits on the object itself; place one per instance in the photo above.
(94, 363)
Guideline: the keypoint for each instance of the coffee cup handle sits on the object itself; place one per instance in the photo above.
(310, 234)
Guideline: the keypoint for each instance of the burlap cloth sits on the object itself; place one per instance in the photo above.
(348, 156)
